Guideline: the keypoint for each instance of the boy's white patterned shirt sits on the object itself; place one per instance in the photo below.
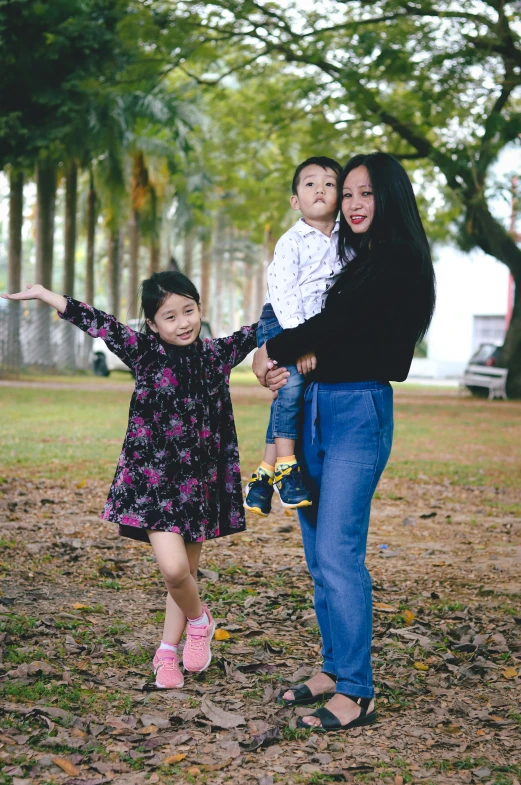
(305, 266)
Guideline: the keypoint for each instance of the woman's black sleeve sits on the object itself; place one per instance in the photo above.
(345, 317)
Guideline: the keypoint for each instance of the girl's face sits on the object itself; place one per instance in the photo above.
(358, 200)
(177, 321)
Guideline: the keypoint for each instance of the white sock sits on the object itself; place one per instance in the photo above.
(202, 621)
(168, 646)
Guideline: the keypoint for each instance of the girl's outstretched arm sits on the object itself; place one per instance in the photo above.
(38, 292)
(122, 340)
(237, 346)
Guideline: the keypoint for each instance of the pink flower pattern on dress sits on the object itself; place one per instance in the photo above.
(179, 466)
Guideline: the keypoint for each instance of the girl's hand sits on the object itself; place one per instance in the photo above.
(275, 379)
(34, 291)
(39, 292)
(307, 363)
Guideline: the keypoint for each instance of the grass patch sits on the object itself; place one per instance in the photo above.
(78, 434)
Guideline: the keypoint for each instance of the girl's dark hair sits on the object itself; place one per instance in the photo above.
(397, 226)
(156, 289)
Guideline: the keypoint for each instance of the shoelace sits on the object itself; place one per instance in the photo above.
(168, 663)
(195, 642)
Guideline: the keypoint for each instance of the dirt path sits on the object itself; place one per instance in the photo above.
(81, 611)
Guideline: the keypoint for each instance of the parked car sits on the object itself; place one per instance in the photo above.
(486, 356)
(105, 361)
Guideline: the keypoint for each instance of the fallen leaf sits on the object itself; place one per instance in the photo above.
(68, 767)
(510, 673)
(384, 608)
(193, 770)
(148, 730)
(420, 666)
(174, 758)
(81, 484)
(216, 766)
(398, 780)
(409, 617)
(78, 606)
(221, 635)
(220, 717)
(264, 739)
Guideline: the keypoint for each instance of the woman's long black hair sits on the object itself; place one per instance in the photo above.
(396, 234)
(156, 289)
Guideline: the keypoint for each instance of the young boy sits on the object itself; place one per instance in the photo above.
(305, 265)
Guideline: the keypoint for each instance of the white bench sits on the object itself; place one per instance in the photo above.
(494, 379)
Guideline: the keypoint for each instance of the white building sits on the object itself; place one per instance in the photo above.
(472, 306)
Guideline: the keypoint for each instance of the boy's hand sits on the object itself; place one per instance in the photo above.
(307, 363)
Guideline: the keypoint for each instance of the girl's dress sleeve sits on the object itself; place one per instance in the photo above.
(126, 343)
(235, 347)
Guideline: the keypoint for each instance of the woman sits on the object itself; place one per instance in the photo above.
(364, 338)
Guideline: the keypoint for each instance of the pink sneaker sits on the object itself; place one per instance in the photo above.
(166, 670)
(197, 654)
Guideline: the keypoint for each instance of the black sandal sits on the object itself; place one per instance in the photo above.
(304, 696)
(332, 723)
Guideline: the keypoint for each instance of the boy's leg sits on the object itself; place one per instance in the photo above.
(259, 490)
(286, 422)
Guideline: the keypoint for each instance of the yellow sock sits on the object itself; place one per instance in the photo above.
(284, 462)
(265, 468)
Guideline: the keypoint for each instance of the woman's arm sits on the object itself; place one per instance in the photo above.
(347, 315)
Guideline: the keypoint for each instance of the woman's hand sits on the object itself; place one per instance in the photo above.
(261, 365)
(307, 363)
(39, 292)
(276, 378)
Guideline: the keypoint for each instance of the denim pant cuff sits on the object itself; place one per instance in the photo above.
(281, 435)
(348, 688)
(328, 666)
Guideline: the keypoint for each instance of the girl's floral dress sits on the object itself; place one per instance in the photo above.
(179, 467)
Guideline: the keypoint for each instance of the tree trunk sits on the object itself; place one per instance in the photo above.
(68, 332)
(133, 264)
(495, 240)
(206, 266)
(155, 235)
(91, 239)
(268, 246)
(71, 197)
(188, 253)
(45, 199)
(247, 295)
(511, 354)
(14, 269)
(114, 271)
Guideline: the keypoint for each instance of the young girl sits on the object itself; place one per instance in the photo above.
(178, 480)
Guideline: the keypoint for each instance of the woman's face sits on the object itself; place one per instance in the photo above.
(358, 200)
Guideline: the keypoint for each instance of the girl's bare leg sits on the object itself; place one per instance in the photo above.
(175, 619)
(177, 562)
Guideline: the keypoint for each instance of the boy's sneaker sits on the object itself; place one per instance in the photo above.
(258, 494)
(290, 487)
(197, 654)
(166, 670)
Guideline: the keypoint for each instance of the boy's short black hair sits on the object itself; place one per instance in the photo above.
(319, 160)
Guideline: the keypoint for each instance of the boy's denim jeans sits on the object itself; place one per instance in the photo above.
(286, 409)
(346, 441)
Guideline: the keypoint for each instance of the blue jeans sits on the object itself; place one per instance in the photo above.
(346, 441)
(286, 409)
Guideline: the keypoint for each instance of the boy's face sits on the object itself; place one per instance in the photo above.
(316, 197)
